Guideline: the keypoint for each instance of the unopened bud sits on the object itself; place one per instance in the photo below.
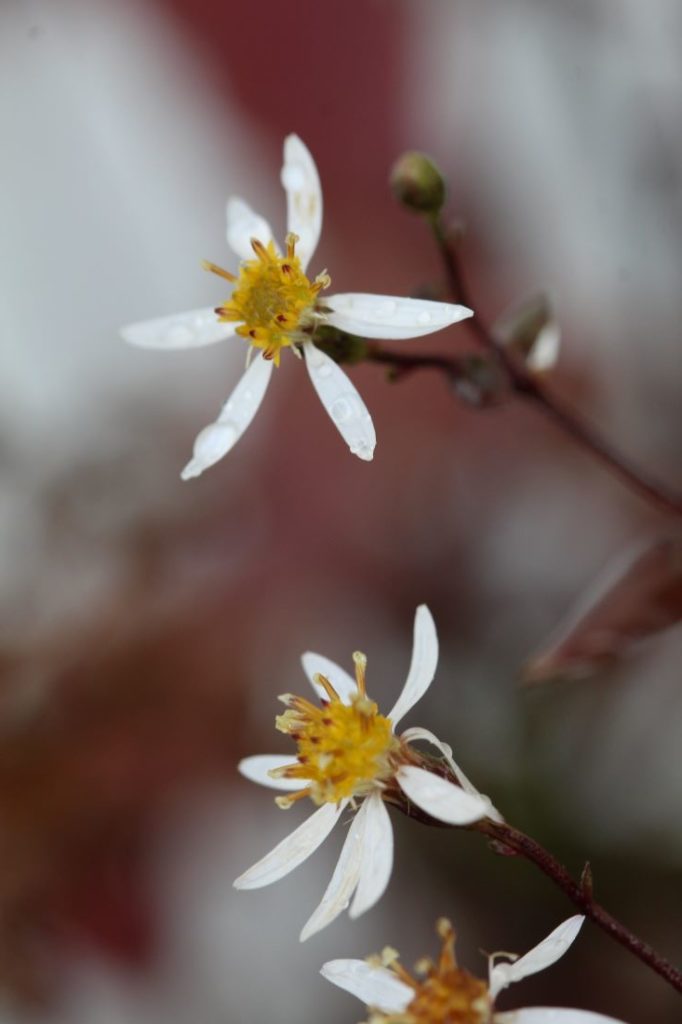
(480, 382)
(531, 331)
(417, 183)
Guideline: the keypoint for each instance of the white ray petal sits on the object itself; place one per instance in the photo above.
(422, 666)
(345, 878)
(292, 850)
(344, 684)
(553, 1015)
(256, 769)
(418, 733)
(215, 440)
(304, 197)
(374, 986)
(243, 224)
(440, 798)
(391, 317)
(543, 955)
(342, 401)
(192, 329)
(377, 856)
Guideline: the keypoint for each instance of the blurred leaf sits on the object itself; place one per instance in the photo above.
(634, 599)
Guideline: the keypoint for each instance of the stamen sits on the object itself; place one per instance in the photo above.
(360, 666)
(215, 269)
(285, 802)
(326, 686)
(260, 250)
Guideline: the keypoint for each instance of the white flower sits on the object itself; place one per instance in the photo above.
(275, 306)
(347, 753)
(444, 992)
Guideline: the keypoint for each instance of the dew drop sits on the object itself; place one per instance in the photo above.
(324, 370)
(363, 449)
(341, 410)
(424, 318)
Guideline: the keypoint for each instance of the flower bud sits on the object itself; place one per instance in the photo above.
(530, 331)
(417, 183)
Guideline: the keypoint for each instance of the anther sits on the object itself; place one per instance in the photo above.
(360, 665)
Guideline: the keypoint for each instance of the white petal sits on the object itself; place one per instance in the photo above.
(440, 798)
(422, 667)
(256, 769)
(374, 986)
(418, 733)
(343, 683)
(342, 402)
(377, 856)
(293, 850)
(215, 440)
(344, 880)
(387, 316)
(543, 955)
(553, 1015)
(192, 329)
(243, 225)
(304, 197)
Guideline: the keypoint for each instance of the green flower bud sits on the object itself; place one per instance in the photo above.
(417, 183)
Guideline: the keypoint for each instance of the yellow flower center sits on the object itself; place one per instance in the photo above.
(344, 750)
(445, 995)
(273, 301)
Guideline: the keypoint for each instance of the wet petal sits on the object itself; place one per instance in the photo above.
(387, 316)
(543, 955)
(345, 878)
(215, 440)
(374, 986)
(293, 850)
(377, 856)
(243, 225)
(553, 1015)
(304, 197)
(440, 798)
(344, 684)
(256, 769)
(192, 329)
(422, 667)
(341, 400)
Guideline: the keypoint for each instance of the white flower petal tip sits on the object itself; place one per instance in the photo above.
(537, 959)
(180, 331)
(301, 183)
(374, 986)
(389, 317)
(216, 440)
(243, 225)
(440, 798)
(342, 402)
(553, 1015)
(258, 768)
(422, 666)
(293, 850)
(316, 664)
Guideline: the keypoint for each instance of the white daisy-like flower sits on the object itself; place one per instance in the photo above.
(274, 305)
(350, 757)
(440, 992)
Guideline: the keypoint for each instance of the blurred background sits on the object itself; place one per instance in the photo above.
(147, 625)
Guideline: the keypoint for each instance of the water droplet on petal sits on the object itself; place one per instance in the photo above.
(324, 370)
(387, 308)
(179, 334)
(424, 318)
(363, 449)
(341, 410)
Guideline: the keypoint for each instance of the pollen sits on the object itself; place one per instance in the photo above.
(443, 992)
(273, 301)
(345, 750)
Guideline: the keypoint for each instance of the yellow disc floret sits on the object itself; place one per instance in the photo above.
(444, 994)
(344, 749)
(273, 301)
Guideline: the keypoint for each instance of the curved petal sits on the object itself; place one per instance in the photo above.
(374, 986)
(293, 850)
(215, 440)
(440, 798)
(256, 769)
(377, 856)
(304, 197)
(418, 733)
(553, 1015)
(343, 683)
(341, 400)
(344, 880)
(243, 224)
(192, 329)
(422, 667)
(543, 955)
(387, 316)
